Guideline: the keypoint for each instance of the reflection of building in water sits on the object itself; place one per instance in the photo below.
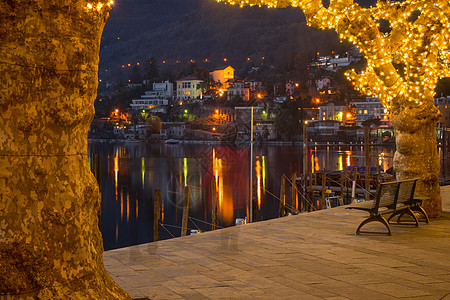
(228, 167)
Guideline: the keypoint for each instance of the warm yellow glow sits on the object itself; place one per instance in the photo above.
(143, 170)
(258, 182)
(185, 171)
(404, 64)
(116, 171)
(348, 153)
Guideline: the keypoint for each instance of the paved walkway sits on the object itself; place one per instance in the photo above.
(309, 256)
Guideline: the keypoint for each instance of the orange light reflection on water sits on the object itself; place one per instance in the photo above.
(348, 153)
(258, 182)
(225, 200)
(116, 170)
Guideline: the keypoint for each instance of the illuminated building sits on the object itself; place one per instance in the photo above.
(189, 88)
(156, 100)
(443, 104)
(323, 83)
(371, 109)
(222, 75)
(332, 111)
(239, 88)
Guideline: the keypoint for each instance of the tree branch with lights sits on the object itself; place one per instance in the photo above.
(404, 65)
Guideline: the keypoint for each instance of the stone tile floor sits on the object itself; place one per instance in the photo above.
(309, 256)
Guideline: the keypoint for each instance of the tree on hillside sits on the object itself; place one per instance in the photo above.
(403, 68)
(135, 75)
(288, 121)
(151, 70)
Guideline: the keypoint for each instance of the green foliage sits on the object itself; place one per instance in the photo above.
(121, 99)
(371, 122)
(151, 69)
(135, 75)
(155, 124)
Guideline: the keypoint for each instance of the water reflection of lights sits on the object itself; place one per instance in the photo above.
(381, 158)
(143, 170)
(264, 172)
(258, 182)
(116, 170)
(121, 205)
(137, 209)
(224, 199)
(185, 171)
(316, 163)
(348, 153)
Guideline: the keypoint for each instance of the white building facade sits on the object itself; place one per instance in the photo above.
(156, 100)
(190, 88)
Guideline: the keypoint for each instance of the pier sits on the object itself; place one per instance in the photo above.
(308, 256)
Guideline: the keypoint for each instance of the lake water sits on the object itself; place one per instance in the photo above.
(130, 173)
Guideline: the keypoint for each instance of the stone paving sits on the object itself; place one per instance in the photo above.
(309, 256)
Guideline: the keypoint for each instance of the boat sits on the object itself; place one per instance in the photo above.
(171, 141)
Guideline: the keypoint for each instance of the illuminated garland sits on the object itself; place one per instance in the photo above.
(100, 5)
(405, 63)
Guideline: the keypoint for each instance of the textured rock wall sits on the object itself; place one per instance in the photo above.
(50, 244)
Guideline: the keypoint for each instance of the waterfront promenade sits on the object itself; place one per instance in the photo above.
(309, 256)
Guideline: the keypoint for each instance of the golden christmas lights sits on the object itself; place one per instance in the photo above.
(406, 62)
(98, 7)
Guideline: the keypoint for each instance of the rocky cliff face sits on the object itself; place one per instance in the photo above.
(50, 244)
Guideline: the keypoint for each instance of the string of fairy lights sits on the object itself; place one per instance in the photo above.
(99, 5)
(404, 63)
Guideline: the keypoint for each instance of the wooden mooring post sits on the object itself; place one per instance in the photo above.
(187, 191)
(157, 216)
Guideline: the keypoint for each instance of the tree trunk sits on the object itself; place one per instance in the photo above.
(416, 155)
(50, 243)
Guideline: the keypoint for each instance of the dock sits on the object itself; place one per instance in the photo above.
(313, 255)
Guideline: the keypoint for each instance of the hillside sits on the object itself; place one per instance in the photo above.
(181, 30)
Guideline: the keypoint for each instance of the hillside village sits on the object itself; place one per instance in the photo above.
(221, 107)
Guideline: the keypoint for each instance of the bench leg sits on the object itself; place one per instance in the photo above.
(420, 210)
(405, 211)
(378, 218)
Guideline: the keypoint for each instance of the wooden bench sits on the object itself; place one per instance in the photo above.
(385, 202)
(395, 198)
(407, 204)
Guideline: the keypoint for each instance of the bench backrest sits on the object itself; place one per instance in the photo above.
(387, 195)
(407, 189)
